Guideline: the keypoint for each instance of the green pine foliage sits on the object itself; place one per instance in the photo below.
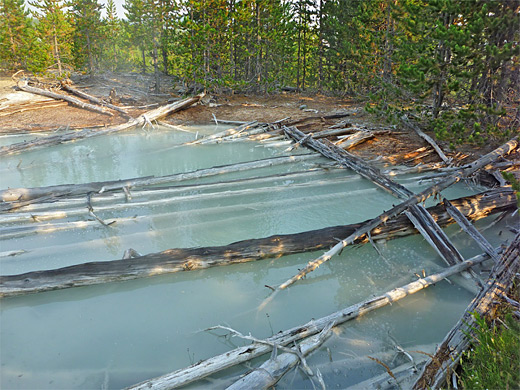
(16, 34)
(451, 65)
(87, 27)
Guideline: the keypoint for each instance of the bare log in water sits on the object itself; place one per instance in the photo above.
(269, 373)
(384, 183)
(87, 133)
(24, 86)
(16, 197)
(470, 230)
(176, 260)
(242, 354)
(457, 341)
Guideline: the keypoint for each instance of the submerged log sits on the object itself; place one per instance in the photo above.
(384, 183)
(457, 341)
(87, 133)
(16, 197)
(24, 86)
(176, 260)
(242, 354)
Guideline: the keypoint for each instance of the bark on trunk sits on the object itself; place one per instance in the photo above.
(175, 260)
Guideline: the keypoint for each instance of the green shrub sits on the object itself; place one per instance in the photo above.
(494, 360)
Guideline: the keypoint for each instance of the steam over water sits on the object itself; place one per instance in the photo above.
(118, 334)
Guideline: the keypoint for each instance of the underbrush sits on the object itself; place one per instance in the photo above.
(493, 362)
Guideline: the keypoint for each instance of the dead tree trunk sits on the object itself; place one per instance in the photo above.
(94, 99)
(87, 133)
(176, 260)
(22, 84)
(239, 355)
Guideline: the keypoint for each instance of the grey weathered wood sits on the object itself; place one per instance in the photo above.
(418, 215)
(94, 99)
(215, 138)
(458, 339)
(418, 198)
(269, 373)
(176, 260)
(427, 138)
(24, 86)
(11, 196)
(242, 354)
(470, 229)
(87, 133)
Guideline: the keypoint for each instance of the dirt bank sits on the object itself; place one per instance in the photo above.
(22, 112)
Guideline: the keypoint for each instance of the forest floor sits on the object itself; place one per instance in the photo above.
(22, 112)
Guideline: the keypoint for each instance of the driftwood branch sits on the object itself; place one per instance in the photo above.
(242, 354)
(24, 86)
(449, 352)
(176, 260)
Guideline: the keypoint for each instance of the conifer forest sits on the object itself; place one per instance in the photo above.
(452, 63)
(259, 194)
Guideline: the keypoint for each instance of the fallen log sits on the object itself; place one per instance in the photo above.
(214, 138)
(427, 138)
(87, 133)
(94, 99)
(34, 107)
(24, 86)
(470, 230)
(383, 182)
(355, 139)
(457, 341)
(109, 198)
(242, 354)
(269, 373)
(176, 260)
(23, 195)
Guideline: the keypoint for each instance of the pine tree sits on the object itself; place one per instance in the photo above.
(15, 34)
(54, 30)
(86, 16)
(136, 27)
(112, 35)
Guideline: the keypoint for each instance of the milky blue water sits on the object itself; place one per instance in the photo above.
(118, 334)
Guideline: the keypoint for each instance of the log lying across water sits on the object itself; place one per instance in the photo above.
(449, 352)
(87, 133)
(176, 260)
(15, 197)
(239, 355)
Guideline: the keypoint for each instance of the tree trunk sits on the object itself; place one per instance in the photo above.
(176, 260)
